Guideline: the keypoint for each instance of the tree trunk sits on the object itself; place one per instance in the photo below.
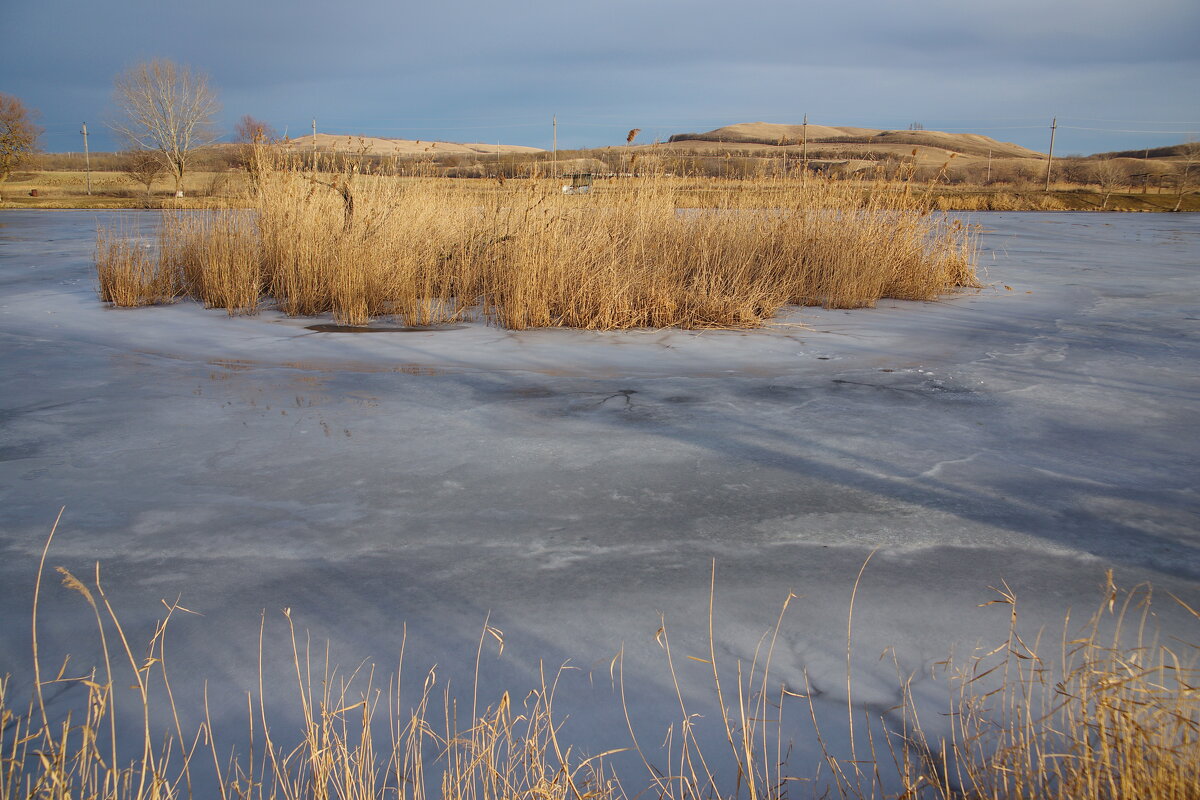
(177, 171)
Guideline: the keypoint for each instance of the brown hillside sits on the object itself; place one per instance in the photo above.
(375, 145)
(868, 141)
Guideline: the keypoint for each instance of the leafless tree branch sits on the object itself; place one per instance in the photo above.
(166, 108)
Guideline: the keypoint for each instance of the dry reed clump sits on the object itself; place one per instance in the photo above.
(215, 257)
(1113, 714)
(992, 201)
(129, 273)
(524, 255)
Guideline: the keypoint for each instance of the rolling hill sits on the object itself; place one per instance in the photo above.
(866, 143)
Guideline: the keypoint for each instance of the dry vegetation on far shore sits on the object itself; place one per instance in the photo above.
(961, 172)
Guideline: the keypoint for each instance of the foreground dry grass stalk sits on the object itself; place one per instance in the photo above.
(1114, 715)
(525, 255)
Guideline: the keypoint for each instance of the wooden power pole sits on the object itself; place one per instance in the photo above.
(1050, 155)
(87, 159)
(804, 150)
(314, 152)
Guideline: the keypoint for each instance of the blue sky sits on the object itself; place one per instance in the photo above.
(1116, 74)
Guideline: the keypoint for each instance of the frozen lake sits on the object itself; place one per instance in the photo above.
(575, 484)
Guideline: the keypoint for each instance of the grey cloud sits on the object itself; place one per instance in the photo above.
(380, 64)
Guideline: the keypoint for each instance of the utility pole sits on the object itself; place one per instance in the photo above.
(87, 159)
(1050, 155)
(314, 152)
(989, 171)
(554, 122)
(804, 150)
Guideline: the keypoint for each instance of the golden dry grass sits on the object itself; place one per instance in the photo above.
(214, 256)
(524, 255)
(129, 273)
(1107, 711)
(999, 201)
(1113, 713)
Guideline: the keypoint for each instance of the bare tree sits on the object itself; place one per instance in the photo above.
(249, 130)
(142, 166)
(1109, 175)
(253, 137)
(18, 134)
(166, 108)
(1191, 153)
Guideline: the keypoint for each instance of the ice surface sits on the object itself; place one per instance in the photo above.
(576, 484)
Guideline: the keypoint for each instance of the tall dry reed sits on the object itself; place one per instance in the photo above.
(215, 256)
(129, 273)
(1109, 712)
(525, 255)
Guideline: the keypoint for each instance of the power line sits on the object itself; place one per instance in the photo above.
(995, 128)
(1120, 130)
(478, 118)
(357, 127)
(1138, 121)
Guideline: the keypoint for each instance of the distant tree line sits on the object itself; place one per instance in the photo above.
(1170, 151)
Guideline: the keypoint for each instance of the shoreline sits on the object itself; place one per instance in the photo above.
(1039, 201)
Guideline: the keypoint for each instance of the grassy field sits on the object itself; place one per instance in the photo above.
(228, 188)
(68, 189)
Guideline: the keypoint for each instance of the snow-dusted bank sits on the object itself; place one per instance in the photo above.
(576, 484)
